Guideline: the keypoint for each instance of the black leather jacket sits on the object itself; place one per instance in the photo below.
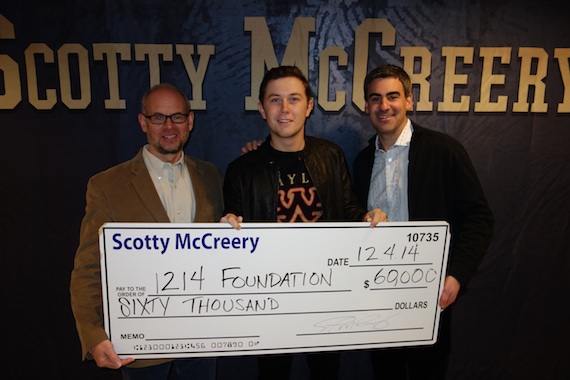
(251, 183)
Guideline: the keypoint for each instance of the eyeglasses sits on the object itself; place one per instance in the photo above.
(160, 119)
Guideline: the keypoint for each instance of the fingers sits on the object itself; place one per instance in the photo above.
(450, 291)
(233, 220)
(127, 361)
(251, 145)
(106, 357)
(376, 216)
(445, 300)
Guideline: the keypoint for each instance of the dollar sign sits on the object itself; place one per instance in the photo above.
(366, 285)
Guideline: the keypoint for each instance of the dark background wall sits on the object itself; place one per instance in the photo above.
(512, 321)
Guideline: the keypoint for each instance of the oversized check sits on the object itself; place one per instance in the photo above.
(190, 290)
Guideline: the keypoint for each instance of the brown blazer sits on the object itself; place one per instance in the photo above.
(126, 193)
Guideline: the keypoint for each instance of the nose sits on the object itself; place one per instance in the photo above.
(384, 105)
(284, 106)
(168, 122)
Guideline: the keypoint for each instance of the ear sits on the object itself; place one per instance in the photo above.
(142, 122)
(261, 110)
(409, 102)
(310, 106)
(190, 121)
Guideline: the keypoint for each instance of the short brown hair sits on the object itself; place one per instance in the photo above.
(388, 71)
(284, 72)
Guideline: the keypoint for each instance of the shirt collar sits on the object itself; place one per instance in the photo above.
(404, 138)
(155, 164)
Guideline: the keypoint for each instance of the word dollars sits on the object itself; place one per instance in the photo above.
(185, 241)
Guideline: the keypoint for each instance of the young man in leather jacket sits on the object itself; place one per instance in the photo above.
(291, 177)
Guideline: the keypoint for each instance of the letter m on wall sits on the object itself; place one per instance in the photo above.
(263, 53)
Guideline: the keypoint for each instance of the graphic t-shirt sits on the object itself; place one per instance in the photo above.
(298, 199)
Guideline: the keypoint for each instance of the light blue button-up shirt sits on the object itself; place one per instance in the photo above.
(389, 181)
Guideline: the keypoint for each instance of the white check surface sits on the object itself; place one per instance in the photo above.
(189, 290)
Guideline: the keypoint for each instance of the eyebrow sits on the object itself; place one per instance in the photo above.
(388, 94)
(291, 94)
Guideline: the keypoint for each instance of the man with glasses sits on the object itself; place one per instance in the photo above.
(160, 184)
